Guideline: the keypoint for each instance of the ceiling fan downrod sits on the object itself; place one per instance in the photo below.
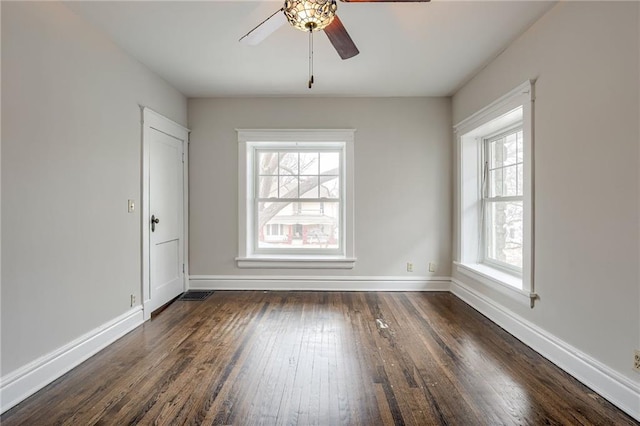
(310, 56)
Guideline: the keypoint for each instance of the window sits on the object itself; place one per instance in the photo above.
(502, 200)
(298, 200)
(495, 194)
(296, 191)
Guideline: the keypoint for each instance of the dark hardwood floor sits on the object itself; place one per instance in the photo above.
(305, 358)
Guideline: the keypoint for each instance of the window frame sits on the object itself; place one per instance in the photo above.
(249, 256)
(516, 105)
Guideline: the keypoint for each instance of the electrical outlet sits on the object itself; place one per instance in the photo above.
(636, 361)
(409, 267)
(432, 266)
(133, 300)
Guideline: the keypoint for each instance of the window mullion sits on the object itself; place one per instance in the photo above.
(504, 199)
(299, 200)
(278, 171)
(297, 175)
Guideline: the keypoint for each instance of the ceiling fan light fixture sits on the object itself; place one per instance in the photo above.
(310, 15)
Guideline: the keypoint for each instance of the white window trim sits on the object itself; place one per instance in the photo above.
(469, 133)
(496, 279)
(247, 256)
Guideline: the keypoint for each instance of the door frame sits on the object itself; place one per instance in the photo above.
(151, 120)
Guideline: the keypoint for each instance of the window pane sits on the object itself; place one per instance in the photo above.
(268, 187)
(309, 187)
(300, 225)
(288, 187)
(288, 163)
(495, 183)
(504, 232)
(308, 163)
(520, 179)
(520, 148)
(495, 154)
(510, 145)
(329, 163)
(267, 163)
(330, 187)
(510, 181)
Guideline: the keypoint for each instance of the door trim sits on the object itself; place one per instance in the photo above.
(153, 120)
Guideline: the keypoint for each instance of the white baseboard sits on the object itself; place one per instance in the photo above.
(27, 380)
(318, 283)
(614, 387)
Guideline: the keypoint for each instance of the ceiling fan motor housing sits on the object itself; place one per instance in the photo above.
(310, 15)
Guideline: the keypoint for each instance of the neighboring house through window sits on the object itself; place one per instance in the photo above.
(296, 191)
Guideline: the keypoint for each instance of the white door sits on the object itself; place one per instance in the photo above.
(164, 213)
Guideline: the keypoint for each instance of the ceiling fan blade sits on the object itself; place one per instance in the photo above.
(339, 37)
(264, 29)
(385, 1)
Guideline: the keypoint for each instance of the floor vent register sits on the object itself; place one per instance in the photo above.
(195, 295)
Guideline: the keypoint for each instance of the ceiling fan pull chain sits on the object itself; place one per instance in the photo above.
(310, 57)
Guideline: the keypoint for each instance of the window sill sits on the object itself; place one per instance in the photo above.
(296, 262)
(501, 281)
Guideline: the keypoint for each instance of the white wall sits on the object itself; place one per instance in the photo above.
(402, 178)
(585, 58)
(71, 140)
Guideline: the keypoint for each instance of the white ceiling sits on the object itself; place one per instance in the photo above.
(406, 49)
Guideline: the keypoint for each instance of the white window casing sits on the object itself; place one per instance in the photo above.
(251, 143)
(513, 109)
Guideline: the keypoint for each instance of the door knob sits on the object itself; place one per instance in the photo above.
(154, 220)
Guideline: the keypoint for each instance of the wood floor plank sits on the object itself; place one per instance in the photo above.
(317, 358)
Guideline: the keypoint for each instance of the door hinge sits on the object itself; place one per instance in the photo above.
(183, 157)
(183, 268)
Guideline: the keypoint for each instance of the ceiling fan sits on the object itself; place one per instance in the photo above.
(310, 16)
